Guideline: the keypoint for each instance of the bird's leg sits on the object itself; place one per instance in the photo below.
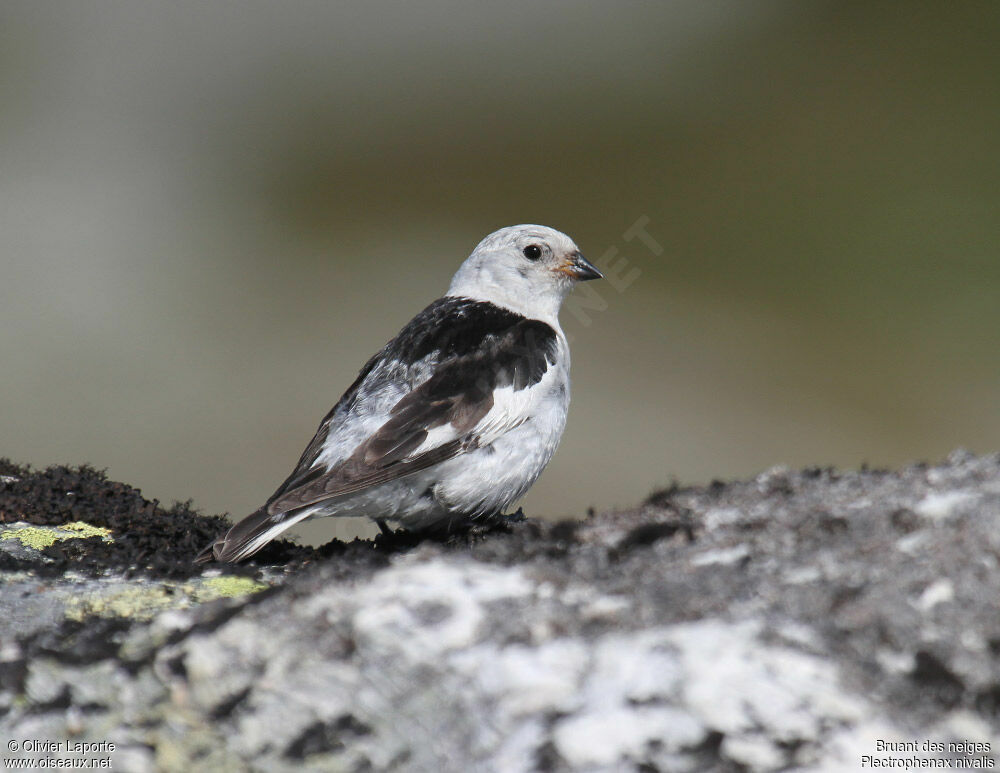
(384, 527)
(502, 519)
(515, 517)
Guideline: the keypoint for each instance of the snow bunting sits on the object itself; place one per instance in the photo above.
(456, 417)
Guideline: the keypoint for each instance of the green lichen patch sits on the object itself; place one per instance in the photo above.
(145, 599)
(83, 530)
(41, 537)
(141, 602)
(227, 587)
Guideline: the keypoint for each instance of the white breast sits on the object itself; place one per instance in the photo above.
(520, 434)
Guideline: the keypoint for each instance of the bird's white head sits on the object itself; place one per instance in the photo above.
(529, 269)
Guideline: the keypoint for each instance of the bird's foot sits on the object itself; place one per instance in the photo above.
(516, 517)
(390, 540)
(502, 520)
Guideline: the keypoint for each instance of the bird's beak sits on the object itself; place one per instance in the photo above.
(579, 268)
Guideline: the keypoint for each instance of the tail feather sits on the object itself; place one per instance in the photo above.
(250, 535)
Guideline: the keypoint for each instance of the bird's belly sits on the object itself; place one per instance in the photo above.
(495, 476)
(489, 479)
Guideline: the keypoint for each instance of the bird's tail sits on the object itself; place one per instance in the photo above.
(250, 535)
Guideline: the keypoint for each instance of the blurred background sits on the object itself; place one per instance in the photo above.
(212, 213)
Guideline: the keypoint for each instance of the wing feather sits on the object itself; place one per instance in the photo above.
(445, 410)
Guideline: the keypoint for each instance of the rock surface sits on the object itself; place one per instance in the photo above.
(797, 621)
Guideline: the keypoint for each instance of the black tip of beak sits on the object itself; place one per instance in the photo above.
(584, 269)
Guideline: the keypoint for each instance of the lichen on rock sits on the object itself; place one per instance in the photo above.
(786, 622)
(226, 587)
(40, 537)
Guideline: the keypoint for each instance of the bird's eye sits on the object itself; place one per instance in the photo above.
(532, 252)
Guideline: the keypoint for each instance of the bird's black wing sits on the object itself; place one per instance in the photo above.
(458, 397)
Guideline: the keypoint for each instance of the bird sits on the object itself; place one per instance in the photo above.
(455, 418)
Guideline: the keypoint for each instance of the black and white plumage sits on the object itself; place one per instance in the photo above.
(457, 416)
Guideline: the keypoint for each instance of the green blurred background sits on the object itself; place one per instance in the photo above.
(211, 213)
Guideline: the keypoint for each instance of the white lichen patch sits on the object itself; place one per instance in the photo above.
(529, 680)
(938, 592)
(721, 556)
(803, 575)
(913, 544)
(941, 505)
(609, 739)
(742, 687)
(718, 517)
(390, 604)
